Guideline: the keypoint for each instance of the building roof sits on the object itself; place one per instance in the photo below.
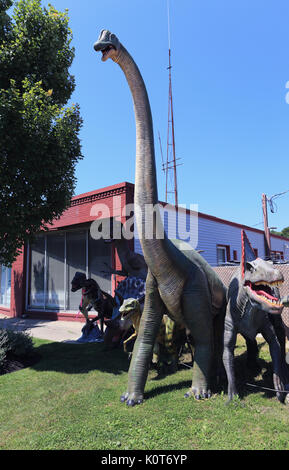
(124, 186)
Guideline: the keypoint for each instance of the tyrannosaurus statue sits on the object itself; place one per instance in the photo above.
(179, 281)
(107, 307)
(254, 306)
(92, 297)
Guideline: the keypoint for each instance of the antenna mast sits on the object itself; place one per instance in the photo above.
(171, 166)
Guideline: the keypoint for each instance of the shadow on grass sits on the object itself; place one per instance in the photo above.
(160, 389)
(80, 358)
(83, 358)
(258, 375)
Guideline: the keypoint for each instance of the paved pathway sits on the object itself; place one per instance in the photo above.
(64, 331)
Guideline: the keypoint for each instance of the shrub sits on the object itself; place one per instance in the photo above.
(17, 343)
(3, 346)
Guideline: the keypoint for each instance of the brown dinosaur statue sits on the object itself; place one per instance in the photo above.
(179, 281)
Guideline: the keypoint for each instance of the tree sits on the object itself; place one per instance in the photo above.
(39, 143)
(285, 232)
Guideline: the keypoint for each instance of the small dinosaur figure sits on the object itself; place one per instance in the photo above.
(131, 289)
(169, 340)
(131, 310)
(254, 306)
(92, 297)
(169, 343)
(180, 282)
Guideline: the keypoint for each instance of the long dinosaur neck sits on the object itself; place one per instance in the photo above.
(145, 176)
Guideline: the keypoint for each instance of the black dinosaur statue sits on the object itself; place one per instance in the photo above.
(254, 306)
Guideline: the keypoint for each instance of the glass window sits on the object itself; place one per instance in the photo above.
(221, 255)
(5, 286)
(55, 250)
(76, 261)
(54, 260)
(99, 261)
(37, 268)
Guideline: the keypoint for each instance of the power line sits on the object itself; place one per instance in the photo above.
(272, 203)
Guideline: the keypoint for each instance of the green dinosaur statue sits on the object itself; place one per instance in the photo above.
(169, 343)
(179, 281)
(169, 340)
(130, 311)
(254, 306)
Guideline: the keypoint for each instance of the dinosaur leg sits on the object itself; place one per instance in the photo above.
(252, 352)
(143, 348)
(218, 371)
(198, 317)
(279, 374)
(230, 337)
(128, 340)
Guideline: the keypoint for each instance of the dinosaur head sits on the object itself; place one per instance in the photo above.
(108, 44)
(129, 307)
(260, 280)
(78, 281)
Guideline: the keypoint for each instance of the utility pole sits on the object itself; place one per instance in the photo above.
(273, 209)
(266, 228)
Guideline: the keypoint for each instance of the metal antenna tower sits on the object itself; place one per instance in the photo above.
(170, 167)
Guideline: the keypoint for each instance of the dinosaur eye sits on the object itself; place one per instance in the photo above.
(250, 267)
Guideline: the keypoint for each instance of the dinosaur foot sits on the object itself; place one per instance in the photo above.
(131, 399)
(279, 385)
(282, 396)
(233, 398)
(286, 400)
(198, 393)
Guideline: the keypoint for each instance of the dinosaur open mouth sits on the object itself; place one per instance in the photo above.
(263, 290)
(125, 314)
(106, 51)
(75, 287)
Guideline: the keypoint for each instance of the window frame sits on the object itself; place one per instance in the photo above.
(226, 249)
(44, 307)
(7, 304)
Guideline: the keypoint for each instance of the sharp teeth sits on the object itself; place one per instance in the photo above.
(270, 284)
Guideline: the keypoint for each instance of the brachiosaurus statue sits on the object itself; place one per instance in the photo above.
(179, 281)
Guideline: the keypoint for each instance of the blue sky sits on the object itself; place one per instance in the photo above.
(230, 69)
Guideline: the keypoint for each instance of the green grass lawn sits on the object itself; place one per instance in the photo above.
(70, 399)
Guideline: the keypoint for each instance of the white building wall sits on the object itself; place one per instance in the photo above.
(205, 234)
(278, 244)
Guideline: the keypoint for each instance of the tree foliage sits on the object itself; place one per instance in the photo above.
(284, 232)
(39, 143)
